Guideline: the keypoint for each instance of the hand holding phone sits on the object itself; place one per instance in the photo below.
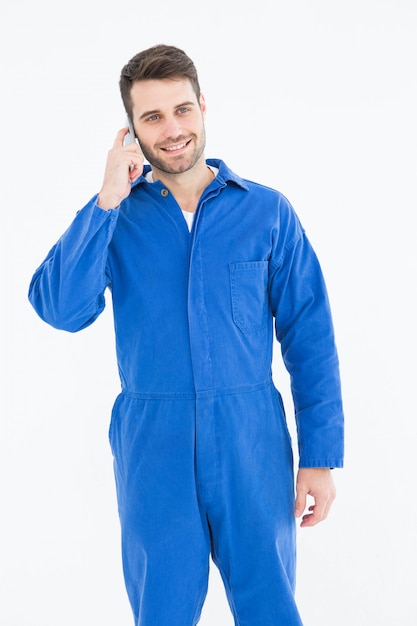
(123, 167)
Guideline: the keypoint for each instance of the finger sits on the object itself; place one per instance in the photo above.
(319, 511)
(135, 166)
(134, 149)
(134, 172)
(312, 518)
(118, 142)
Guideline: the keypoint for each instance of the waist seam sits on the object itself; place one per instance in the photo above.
(193, 395)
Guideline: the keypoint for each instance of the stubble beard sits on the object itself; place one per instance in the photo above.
(179, 164)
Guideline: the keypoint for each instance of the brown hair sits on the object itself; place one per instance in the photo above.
(157, 63)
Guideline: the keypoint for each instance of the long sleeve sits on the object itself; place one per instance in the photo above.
(67, 290)
(304, 329)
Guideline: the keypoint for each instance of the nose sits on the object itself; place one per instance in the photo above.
(172, 128)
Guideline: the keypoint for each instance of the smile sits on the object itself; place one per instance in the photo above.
(178, 146)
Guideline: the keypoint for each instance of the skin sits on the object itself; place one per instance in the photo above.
(169, 124)
(315, 482)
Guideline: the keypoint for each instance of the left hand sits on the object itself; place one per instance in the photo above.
(318, 483)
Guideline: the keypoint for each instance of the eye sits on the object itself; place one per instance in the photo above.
(183, 110)
(152, 118)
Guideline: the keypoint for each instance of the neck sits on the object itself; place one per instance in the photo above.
(186, 187)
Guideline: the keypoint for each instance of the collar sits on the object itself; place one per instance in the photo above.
(224, 176)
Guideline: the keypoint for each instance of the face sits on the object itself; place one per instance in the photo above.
(169, 123)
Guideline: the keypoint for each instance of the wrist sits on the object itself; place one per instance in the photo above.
(107, 201)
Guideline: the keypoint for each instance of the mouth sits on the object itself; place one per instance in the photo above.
(176, 148)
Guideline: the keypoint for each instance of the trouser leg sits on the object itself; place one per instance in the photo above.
(165, 539)
(251, 512)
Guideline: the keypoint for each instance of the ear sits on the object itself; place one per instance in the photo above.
(203, 105)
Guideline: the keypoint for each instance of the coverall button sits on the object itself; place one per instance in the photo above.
(164, 192)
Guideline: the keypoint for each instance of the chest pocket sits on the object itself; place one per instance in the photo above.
(249, 289)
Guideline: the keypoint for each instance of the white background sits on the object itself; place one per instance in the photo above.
(315, 98)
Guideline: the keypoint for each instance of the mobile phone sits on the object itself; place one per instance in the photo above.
(130, 137)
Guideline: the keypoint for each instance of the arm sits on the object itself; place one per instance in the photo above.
(305, 331)
(67, 290)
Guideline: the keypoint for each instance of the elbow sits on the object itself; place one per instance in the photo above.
(64, 316)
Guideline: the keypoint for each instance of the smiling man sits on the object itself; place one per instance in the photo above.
(204, 267)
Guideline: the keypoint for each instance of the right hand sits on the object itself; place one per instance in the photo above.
(118, 175)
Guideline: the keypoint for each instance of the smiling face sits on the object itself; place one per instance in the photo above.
(169, 124)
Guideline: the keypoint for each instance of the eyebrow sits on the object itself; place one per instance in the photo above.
(155, 111)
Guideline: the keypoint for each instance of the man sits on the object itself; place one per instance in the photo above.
(200, 263)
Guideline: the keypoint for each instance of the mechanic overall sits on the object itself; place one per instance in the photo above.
(205, 270)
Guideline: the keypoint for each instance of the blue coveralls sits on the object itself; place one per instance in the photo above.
(202, 455)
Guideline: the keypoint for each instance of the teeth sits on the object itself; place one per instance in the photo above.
(178, 147)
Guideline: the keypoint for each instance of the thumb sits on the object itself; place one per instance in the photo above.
(300, 502)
